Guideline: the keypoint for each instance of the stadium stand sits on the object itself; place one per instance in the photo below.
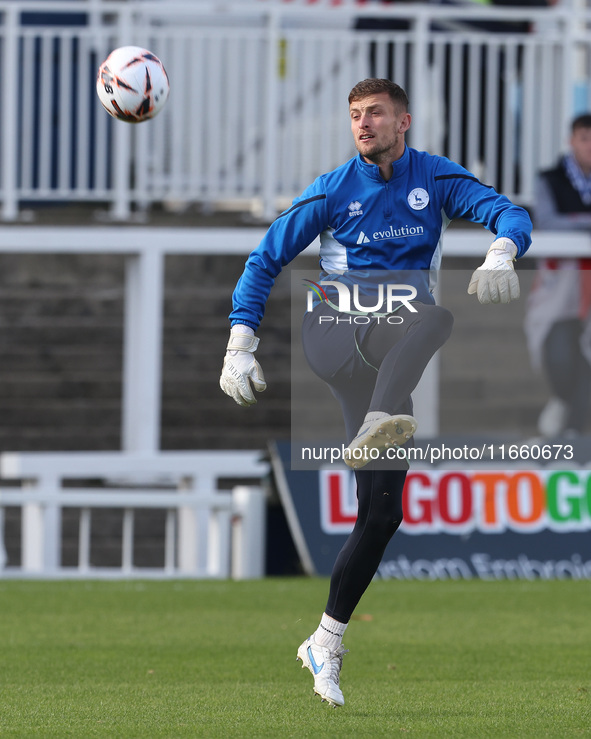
(61, 316)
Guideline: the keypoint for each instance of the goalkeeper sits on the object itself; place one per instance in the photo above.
(385, 209)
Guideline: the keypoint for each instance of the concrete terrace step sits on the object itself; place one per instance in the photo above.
(61, 342)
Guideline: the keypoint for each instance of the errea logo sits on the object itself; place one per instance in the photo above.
(355, 208)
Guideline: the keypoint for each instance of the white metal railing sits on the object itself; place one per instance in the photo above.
(258, 96)
(203, 524)
(208, 532)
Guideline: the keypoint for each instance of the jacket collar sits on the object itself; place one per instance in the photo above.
(372, 170)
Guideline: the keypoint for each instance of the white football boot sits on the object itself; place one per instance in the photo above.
(390, 431)
(325, 665)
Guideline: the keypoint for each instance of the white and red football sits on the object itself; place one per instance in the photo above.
(132, 84)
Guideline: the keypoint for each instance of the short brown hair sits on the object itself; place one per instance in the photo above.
(375, 86)
(581, 121)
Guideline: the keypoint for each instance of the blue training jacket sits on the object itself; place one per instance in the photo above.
(366, 223)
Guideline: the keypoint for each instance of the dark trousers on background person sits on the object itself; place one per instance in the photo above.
(568, 371)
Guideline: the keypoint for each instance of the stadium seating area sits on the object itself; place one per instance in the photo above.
(61, 325)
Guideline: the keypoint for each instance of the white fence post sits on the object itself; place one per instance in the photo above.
(84, 540)
(218, 555)
(3, 554)
(419, 78)
(144, 278)
(52, 526)
(127, 541)
(187, 542)
(271, 118)
(33, 534)
(41, 528)
(248, 540)
(9, 113)
(121, 204)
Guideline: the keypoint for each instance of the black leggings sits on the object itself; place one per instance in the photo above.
(568, 371)
(379, 493)
(372, 367)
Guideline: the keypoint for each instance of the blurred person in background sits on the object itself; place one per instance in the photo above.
(558, 316)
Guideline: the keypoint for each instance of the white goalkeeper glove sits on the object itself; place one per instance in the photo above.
(495, 281)
(241, 368)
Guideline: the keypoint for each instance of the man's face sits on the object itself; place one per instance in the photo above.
(378, 127)
(580, 143)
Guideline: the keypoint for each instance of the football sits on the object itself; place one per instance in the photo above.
(132, 84)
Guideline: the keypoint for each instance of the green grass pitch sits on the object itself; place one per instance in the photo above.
(217, 659)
